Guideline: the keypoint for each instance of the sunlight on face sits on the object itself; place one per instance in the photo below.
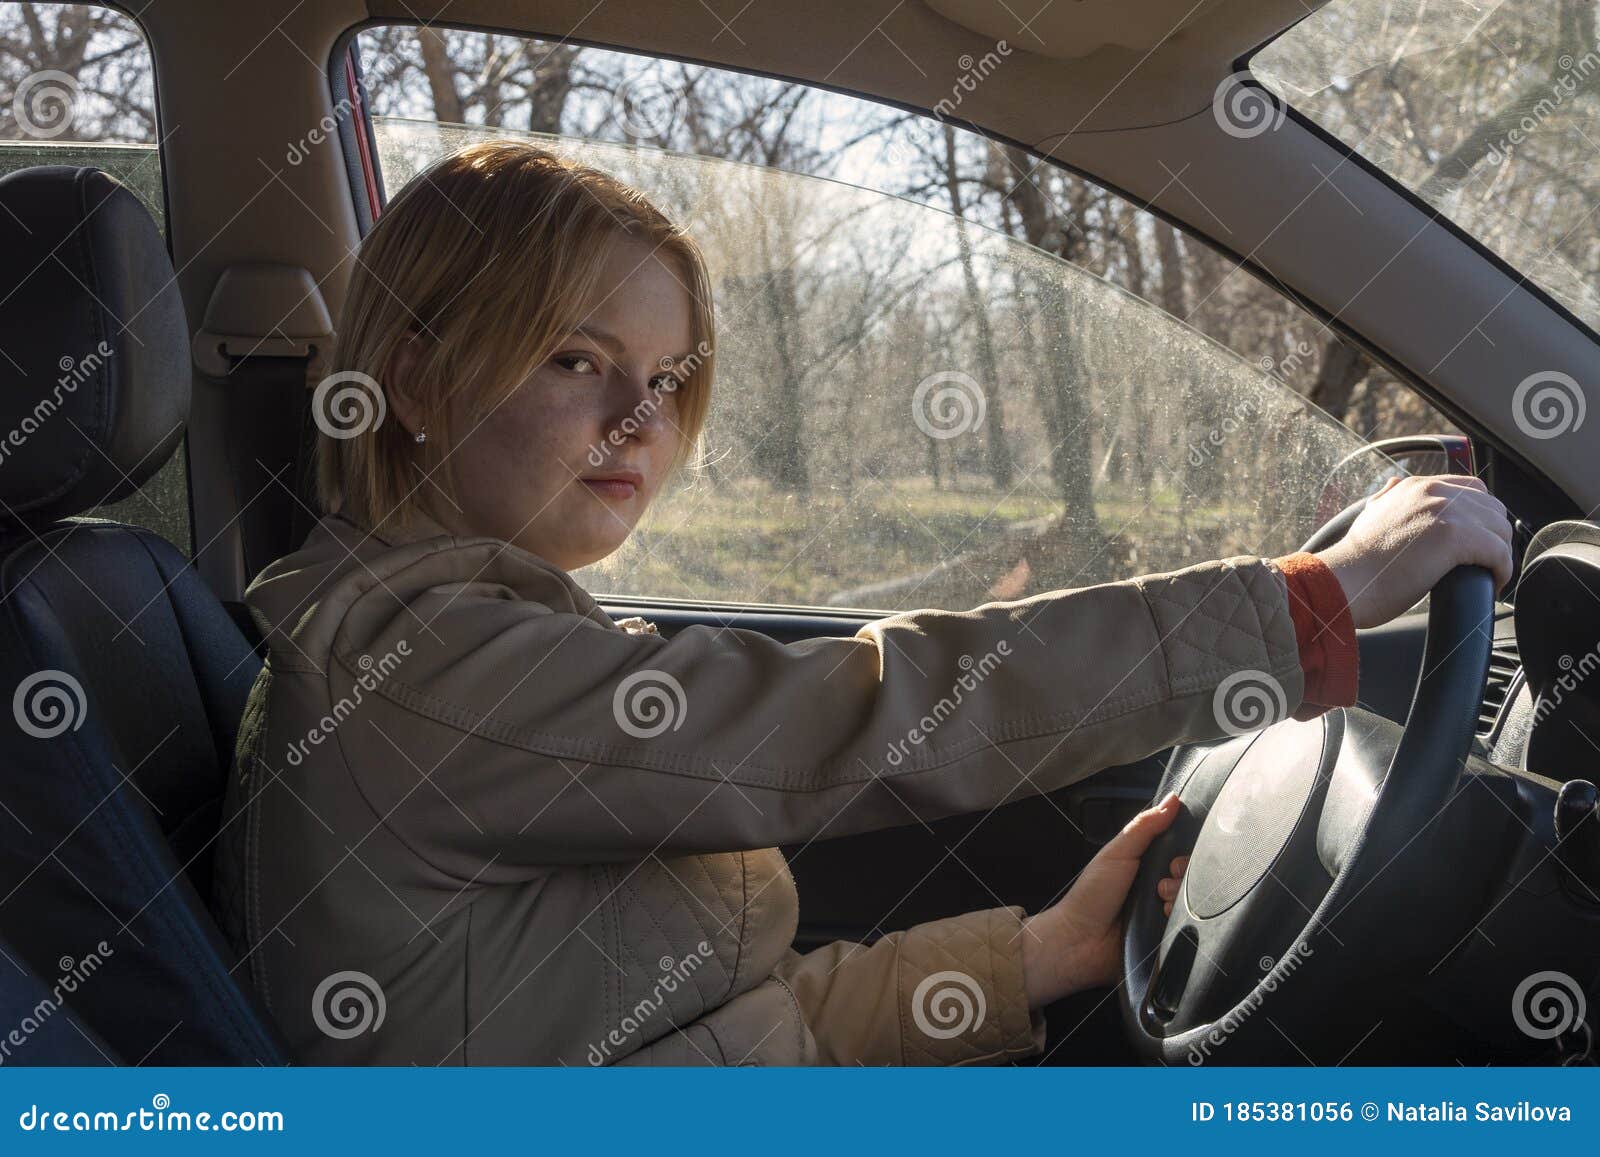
(567, 464)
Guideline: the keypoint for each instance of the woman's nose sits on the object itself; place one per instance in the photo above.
(641, 409)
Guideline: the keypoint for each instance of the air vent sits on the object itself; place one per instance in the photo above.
(1503, 668)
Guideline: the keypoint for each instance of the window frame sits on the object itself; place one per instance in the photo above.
(1497, 464)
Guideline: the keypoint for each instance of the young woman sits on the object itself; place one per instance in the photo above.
(475, 821)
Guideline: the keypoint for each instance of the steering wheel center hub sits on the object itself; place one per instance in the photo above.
(1250, 823)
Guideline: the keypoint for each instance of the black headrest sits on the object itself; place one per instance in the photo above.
(94, 347)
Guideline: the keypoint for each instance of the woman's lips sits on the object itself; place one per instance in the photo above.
(618, 486)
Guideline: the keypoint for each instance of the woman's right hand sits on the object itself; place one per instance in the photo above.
(1410, 535)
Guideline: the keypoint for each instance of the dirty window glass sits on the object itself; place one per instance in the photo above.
(1487, 111)
(921, 401)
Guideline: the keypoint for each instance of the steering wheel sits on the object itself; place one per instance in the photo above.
(1281, 917)
(1335, 528)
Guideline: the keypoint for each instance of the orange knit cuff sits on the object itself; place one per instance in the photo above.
(1324, 631)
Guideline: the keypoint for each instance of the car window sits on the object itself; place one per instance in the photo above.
(76, 88)
(1485, 111)
(943, 375)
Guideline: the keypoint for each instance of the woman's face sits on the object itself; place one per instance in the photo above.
(565, 466)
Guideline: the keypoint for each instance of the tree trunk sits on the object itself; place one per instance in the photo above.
(1060, 393)
(1002, 466)
(441, 74)
(1343, 366)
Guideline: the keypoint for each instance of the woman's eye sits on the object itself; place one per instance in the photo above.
(663, 382)
(577, 363)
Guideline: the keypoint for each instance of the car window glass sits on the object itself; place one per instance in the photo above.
(946, 374)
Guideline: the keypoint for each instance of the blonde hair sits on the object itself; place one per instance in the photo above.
(492, 253)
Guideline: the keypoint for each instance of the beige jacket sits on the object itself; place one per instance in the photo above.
(475, 821)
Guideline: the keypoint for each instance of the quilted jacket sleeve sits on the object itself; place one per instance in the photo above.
(948, 992)
(518, 732)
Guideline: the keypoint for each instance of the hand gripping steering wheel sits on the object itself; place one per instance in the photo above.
(1304, 839)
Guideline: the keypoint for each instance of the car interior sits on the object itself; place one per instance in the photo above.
(168, 309)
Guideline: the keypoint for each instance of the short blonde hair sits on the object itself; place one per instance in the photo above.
(493, 253)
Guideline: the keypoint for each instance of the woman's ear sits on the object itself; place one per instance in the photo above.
(400, 382)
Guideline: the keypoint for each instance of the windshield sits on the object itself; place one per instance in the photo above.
(1487, 111)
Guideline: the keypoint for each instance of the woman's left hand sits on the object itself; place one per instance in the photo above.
(1076, 943)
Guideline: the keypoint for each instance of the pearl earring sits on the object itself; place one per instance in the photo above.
(422, 434)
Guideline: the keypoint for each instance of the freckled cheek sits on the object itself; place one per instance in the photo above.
(546, 441)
